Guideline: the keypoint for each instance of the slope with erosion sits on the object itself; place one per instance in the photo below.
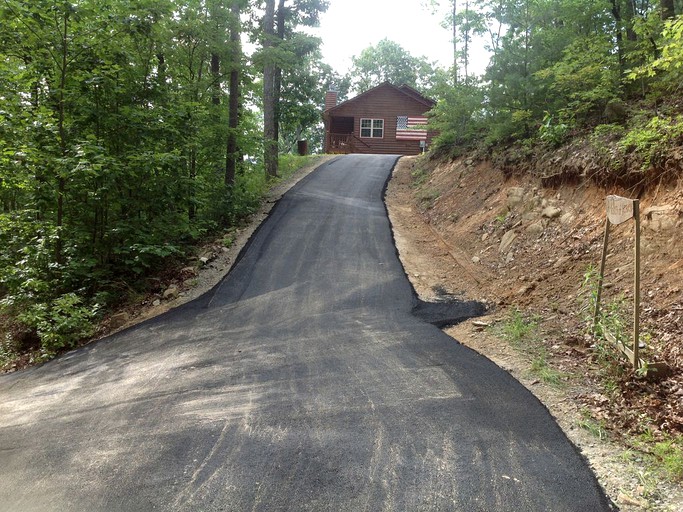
(465, 228)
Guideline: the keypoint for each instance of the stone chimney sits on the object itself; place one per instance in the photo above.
(330, 99)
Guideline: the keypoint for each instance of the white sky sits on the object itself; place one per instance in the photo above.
(349, 26)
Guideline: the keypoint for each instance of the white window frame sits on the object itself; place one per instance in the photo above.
(373, 126)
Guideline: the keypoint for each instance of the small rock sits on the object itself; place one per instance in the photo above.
(625, 499)
(171, 292)
(525, 289)
(188, 272)
(476, 259)
(484, 237)
(561, 261)
(119, 320)
(509, 258)
(551, 212)
(203, 260)
(506, 241)
(515, 196)
(660, 218)
(536, 228)
(567, 218)
(156, 303)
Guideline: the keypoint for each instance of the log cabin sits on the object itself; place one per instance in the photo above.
(383, 120)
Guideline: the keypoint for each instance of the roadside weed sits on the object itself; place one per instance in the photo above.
(427, 197)
(547, 374)
(523, 334)
(595, 427)
(613, 318)
(518, 329)
(669, 454)
(420, 176)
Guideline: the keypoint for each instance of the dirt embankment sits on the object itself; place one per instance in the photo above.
(464, 228)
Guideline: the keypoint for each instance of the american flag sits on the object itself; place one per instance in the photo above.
(411, 128)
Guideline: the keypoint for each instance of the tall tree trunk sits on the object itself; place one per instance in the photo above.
(61, 180)
(277, 79)
(466, 39)
(616, 13)
(192, 207)
(269, 120)
(234, 91)
(216, 77)
(455, 44)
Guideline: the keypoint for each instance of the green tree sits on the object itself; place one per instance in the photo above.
(389, 61)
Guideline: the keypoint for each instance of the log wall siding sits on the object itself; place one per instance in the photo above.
(384, 102)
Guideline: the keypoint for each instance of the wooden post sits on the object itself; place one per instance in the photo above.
(636, 287)
(601, 277)
(621, 209)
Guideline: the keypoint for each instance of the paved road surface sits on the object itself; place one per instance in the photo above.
(302, 382)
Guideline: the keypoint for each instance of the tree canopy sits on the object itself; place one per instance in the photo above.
(128, 131)
(389, 61)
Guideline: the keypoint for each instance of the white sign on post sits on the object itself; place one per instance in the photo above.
(619, 209)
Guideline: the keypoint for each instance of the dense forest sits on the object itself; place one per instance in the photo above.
(129, 130)
(607, 72)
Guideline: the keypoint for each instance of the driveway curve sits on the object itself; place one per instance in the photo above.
(301, 382)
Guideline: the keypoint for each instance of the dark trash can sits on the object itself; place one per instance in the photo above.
(302, 147)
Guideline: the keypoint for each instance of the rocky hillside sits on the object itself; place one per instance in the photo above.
(522, 242)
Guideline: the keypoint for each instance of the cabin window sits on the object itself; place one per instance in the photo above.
(373, 128)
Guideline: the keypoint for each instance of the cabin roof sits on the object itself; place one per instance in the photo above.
(403, 89)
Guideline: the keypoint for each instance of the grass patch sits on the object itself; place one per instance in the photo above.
(522, 332)
(427, 197)
(289, 164)
(664, 455)
(594, 427)
(546, 373)
(518, 329)
(420, 176)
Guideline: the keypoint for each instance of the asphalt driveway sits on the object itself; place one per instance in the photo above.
(303, 381)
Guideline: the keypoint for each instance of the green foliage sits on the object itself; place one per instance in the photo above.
(420, 176)
(650, 140)
(555, 68)
(458, 118)
(613, 318)
(596, 428)
(518, 329)
(664, 455)
(289, 164)
(668, 65)
(669, 453)
(543, 371)
(523, 333)
(61, 323)
(551, 132)
(584, 79)
(113, 129)
(389, 61)
(305, 85)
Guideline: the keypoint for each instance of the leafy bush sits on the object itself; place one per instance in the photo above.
(60, 323)
(669, 65)
(551, 132)
(647, 141)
